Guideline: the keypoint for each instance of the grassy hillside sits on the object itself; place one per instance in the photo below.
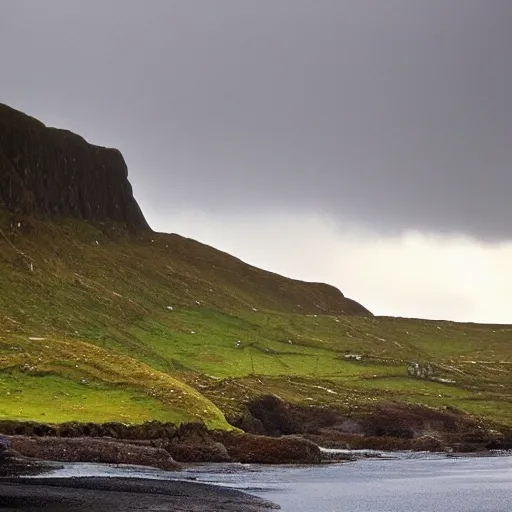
(98, 324)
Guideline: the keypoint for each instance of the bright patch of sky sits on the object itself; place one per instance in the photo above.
(412, 275)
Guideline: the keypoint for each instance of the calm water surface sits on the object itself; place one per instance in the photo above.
(409, 483)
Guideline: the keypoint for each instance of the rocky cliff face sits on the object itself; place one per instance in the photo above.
(55, 172)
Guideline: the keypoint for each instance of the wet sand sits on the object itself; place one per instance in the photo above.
(90, 494)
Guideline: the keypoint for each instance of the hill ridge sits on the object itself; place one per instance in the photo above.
(57, 174)
(166, 315)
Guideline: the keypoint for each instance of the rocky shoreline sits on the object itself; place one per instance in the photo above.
(22, 490)
(30, 449)
(194, 444)
(270, 432)
(22, 456)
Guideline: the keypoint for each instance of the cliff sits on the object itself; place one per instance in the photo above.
(47, 171)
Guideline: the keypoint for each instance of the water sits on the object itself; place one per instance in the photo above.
(409, 483)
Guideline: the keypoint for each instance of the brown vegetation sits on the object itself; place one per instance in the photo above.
(148, 430)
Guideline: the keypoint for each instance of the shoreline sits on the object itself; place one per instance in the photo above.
(124, 494)
(86, 494)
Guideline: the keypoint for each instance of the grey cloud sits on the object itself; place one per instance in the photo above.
(396, 114)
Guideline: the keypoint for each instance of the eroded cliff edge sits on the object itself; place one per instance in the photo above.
(48, 171)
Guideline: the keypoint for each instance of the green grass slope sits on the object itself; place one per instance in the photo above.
(98, 324)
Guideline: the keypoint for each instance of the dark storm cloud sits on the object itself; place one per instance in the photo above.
(394, 113)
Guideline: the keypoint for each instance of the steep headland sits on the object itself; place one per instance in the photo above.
(104, 320)
(55, 172)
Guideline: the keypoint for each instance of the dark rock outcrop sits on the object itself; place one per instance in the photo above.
(386, 426)
(254, 449)
(92, 450)
(52, 172)
(12, 464)
(270, 415)
(500, 445)
(194, 443)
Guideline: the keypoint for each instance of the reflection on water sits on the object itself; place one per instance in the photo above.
(408, 483)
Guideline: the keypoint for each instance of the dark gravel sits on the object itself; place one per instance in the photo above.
(121, 494)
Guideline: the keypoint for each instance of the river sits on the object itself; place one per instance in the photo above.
(407, 483)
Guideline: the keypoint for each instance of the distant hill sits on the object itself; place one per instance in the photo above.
(104, 319)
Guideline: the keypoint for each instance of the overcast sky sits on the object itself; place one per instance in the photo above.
(366, 143)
